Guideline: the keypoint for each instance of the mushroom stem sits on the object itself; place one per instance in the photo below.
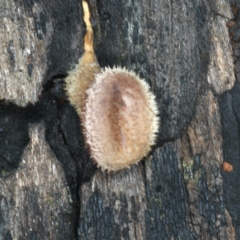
(82, 76)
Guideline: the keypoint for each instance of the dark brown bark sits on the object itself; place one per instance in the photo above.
(183, 50)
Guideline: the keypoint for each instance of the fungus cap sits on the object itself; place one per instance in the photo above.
(120, 118)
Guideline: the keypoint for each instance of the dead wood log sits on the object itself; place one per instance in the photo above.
(49, 188)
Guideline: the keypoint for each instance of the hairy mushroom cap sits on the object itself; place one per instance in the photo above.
(120, 119)
(79, 80)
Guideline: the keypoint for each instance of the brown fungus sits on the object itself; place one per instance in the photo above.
(116, 108)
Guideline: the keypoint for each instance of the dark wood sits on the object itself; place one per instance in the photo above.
(38, 39)
(184, 51)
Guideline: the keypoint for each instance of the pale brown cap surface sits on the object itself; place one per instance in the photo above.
(120, 119)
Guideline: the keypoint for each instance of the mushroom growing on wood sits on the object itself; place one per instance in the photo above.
(117, 109)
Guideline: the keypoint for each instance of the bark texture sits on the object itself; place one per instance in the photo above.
(49, 189)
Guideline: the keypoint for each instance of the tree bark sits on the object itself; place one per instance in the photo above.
(50, 189)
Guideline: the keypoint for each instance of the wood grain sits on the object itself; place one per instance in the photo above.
(182, 49)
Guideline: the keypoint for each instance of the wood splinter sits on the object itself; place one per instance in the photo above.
(116, 108)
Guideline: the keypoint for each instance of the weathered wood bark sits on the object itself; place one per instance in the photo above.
(49, 188)
(35, 199)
